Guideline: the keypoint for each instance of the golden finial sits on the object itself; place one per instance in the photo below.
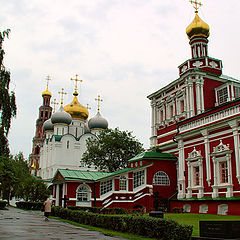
(48, 79)
(98, 100)
(196, 4)
(62, 93)
(76, 80)
(88, 106)
(54, 102)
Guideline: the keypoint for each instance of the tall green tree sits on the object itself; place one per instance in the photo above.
(8, 107)
(112, 150)
(16, 180)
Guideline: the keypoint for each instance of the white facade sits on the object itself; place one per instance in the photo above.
(63, 149)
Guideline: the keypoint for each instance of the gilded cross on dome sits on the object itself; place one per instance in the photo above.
(48, 79)
(98, 100)
(196, 4)
(54, 102)
(62, 93)
(76, 80)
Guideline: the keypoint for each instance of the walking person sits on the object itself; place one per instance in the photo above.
(47, 209)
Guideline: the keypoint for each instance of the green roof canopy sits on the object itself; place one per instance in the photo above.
(153, 154)
(92, 176)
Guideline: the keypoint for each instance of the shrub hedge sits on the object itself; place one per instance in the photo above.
(100, 210)
(30, 205)
(139, 225)
(3, 204)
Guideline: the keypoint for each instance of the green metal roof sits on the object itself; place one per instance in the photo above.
(92, 176)
(153, 154)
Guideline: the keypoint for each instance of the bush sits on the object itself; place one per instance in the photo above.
(144, 226)
(3, 204)
(100, 210)
(30, 205)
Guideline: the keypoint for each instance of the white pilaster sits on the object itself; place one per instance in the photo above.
(207, 155)
(181, 169)
(57, 195)
(234, 125)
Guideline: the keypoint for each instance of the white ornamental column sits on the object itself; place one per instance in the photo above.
(187, 101)
(207, 155)
(234, 125)
(153, 127)
(191, 99)
(57, 195)
(181, 169)
(198, 96)
(202, 95)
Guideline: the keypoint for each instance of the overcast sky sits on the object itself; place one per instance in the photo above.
(122, 49)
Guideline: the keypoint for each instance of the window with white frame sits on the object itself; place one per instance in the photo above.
(181, 106)
(222, 164)
(161, 115)
(223, 172)
(83, 193)
(123, 183)
(237, 92)
(171, 111)
(196, 176)
(222, 95)
(195, 173)
(161, 178)
(138, 178)
(106, 187)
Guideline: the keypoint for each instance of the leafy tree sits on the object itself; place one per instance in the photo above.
(16, 180)
(112, 150)
(7, 177)
(8, 107)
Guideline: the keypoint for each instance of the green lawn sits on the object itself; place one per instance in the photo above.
(193, 219)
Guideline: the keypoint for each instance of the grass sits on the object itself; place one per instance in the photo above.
(105, 231)
(193, 219)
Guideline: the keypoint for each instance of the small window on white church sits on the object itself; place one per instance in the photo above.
(106, 187)
(67, 144)
(161, 178)
(222, 95)
(123, 183)
(83, 193)
(138, 178)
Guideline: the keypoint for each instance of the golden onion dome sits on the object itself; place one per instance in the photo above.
(47, 94)
(198, 28)
(76, 110)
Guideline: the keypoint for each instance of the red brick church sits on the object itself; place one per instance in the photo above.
(196, 118)
(194, 162)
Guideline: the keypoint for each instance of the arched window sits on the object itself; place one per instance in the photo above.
(161, 178)
(67, 144)
(83, 193)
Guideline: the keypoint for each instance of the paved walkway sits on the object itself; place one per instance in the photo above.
(17, 224)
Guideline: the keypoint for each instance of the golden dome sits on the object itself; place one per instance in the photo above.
(47, 94)
(198, 28)
(76, 110)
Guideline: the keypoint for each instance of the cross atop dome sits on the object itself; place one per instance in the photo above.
(76, 80)
(196, 5)
(48, 79)
(98, 100)
(62, 93)
(54, 102)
